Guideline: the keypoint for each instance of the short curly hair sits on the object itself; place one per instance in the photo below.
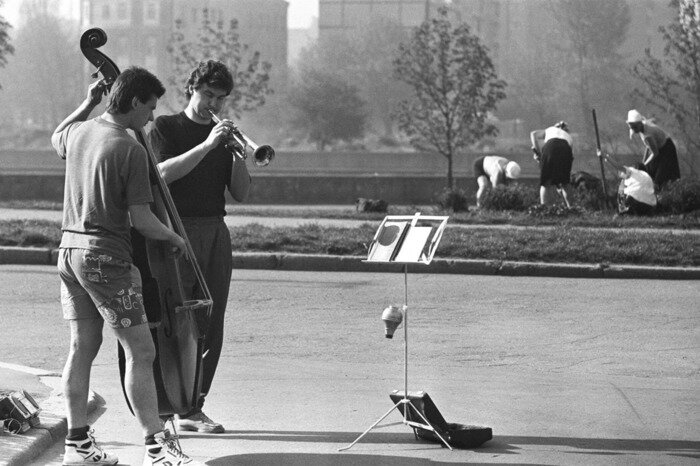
(212, 73)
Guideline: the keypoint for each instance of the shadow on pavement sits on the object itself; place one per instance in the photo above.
(312, 459)
(499, 445)
(621, 445)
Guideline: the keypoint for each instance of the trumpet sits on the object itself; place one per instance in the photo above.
(262, 155)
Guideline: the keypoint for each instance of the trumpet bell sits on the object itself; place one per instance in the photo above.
(263, 155)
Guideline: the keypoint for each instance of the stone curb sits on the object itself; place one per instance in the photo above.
(334, 263)
(23, 448)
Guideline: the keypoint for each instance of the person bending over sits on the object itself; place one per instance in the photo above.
(636, 193)
(492, 171)
(553, 151)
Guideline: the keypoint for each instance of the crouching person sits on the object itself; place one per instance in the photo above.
(636, 194)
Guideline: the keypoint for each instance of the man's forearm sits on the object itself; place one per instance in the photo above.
(175, 168)
(79, 114)
(240, 180)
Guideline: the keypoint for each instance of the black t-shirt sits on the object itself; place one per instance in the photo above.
(200, 193)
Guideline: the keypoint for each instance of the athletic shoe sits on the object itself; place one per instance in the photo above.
(199, 422)
(167, 451)
(80, 452)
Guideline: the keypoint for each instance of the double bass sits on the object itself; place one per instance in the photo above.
(178, 340)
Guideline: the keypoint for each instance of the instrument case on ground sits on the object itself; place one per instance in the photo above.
(457, 435)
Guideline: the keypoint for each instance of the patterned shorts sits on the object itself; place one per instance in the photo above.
(94, 285)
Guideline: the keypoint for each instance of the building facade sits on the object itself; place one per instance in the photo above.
(348, 16)
(139, 31)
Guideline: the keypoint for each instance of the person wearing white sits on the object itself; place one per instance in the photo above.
(636, 194)
(493, 171)
(553, 148)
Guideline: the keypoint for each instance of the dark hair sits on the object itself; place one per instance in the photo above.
(212, 73)
(133, 82)
(640, 166)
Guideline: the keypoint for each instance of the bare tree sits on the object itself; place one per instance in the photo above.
(43, 71)
(593, 29)
(671, 84)
(6, 47)
(220, 41)
(455, 87)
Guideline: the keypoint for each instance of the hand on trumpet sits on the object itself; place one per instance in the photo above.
(225, 132)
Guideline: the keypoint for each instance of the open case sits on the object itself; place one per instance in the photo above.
(458, 435)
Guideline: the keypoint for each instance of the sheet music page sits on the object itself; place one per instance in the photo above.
(413, 244)
(390, 236)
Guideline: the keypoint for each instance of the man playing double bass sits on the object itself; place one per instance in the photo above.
(199, 168)
(107, 190)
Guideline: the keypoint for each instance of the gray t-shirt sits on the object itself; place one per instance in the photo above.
(106, 172)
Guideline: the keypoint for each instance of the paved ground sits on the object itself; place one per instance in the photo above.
(565, 371)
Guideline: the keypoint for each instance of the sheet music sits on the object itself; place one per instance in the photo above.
(385, 246)
(411, 250)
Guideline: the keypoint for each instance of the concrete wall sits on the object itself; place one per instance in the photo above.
(292, 177)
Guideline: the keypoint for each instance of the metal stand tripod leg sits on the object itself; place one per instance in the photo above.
(405, 401)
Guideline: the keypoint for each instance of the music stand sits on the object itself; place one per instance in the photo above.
(406, 239)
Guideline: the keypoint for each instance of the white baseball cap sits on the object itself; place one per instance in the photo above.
(512, 170)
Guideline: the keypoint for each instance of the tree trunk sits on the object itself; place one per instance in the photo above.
(450, 178)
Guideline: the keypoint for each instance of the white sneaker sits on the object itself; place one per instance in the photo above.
(80, 452)
(167, 452)
(200, 422)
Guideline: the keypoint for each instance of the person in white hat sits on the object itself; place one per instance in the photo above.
(553, 148)
(492, 171)
(660, 157)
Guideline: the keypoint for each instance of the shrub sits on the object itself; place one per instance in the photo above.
(557, 210)
(680, 196)
(513, 196)
(454, 199)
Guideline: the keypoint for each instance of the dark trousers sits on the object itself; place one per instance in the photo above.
(664, 167)
(211, 242)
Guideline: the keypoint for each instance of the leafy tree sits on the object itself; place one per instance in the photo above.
(593, 30)
(671, 84)
(365, 60)
(5, 46)
(455, 87)
(220, 41)
(326, 108)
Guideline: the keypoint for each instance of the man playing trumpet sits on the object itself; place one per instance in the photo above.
(196, 160)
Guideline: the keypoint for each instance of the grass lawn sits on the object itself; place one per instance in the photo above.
(565, 243)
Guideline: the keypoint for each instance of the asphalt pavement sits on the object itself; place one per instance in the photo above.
(564, 370)
(393, 447)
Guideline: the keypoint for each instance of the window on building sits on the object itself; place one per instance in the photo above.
(330, 14)
(122, 11)
(151, 12)
(357, 14)
(386, 9)
(413, 13)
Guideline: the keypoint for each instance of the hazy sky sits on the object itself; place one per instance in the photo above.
(299, 14)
